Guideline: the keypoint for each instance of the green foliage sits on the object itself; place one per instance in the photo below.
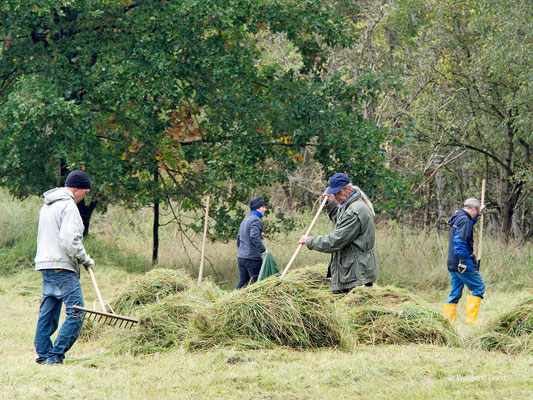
(169, 101)
(472, 84)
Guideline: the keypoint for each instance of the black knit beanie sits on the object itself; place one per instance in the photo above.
(78, 179)
(256, 203)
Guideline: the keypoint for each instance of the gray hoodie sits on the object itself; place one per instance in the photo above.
(59, 241)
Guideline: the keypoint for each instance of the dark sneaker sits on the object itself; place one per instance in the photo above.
(40, 360)
(54, 360)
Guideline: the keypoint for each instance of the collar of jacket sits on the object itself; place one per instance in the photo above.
(255, 212)
(353, 197)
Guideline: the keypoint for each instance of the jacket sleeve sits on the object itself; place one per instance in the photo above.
(238, 240)
(70, 236)
(345, 232)
(331, 210)
(463, 231)
(256, 230)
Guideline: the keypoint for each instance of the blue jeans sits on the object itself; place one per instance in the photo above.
(59, 286)
(248, 271)
(471, 279)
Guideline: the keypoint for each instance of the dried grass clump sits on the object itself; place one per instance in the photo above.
(271, 312)
(314, 276)
(512, 332)
(409, 324)
(165, 324)
(385, 296)
(90, 330)
(153, 286)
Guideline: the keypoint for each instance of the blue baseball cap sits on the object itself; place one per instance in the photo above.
(337, 182)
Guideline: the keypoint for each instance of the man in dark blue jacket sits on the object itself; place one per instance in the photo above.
(462, 263)
(250, 245)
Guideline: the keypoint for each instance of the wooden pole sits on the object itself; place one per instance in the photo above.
(100, 299)
(201, 272)
(480, 241)
(306, 234)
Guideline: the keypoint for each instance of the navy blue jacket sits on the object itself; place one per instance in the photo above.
(461, 241)
(249, 238)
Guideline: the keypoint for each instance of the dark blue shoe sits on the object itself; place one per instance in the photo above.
(54, 360)
(40, 360)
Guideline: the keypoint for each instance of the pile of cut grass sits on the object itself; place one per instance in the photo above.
(409, 324)
(314, 276)
(511, 333)
(269, 313)
(152, 287)
(385, 296)
(298, 311)
(164, 325)
(390, 315)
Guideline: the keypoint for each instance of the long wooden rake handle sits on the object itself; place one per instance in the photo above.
(480, 241)
(306, 233)
(100, 299)
(201, 272)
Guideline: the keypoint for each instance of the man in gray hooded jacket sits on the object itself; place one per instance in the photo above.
(60, 253)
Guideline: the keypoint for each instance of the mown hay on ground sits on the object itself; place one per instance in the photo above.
(153, 286)
(406, 325)
(298, 311)
(511, 333)
(314, 276)
(389, 297)
(271, 312)
(165, 324)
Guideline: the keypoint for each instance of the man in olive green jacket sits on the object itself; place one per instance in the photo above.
(353, 259)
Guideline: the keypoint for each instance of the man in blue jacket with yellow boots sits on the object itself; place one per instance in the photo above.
(462, 263)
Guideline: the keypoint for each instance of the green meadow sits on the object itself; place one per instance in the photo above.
(106, 363)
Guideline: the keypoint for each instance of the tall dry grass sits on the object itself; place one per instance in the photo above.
(414, 260)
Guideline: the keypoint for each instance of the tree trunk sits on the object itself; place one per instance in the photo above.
(62, 173)
(155, 249)
(509, 194)
(86, 211)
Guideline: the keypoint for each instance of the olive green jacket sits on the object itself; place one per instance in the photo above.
(353, 259)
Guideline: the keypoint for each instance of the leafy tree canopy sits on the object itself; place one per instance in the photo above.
(170, 101)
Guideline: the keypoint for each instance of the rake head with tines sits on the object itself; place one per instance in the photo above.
(105, 317)
(102, 316)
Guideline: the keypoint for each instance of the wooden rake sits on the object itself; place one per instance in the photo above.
(103, 316)
(306, 234)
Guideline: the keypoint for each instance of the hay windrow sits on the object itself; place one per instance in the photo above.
(389, 297)
(505, 343)
(409, 324)
(298, 311)
(314, 276)
(165, 324)
(271, 312)
(90, 330)
(153, 286)
(511, 333)
(516, 322)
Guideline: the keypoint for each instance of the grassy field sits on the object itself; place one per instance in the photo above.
(120, 244)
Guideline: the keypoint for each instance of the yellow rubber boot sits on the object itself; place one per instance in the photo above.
(472, 309)
(450, 312)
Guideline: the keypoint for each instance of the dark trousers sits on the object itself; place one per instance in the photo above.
(248, 271)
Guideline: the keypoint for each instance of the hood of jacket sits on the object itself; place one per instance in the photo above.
(458, 214)
(57, 194)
